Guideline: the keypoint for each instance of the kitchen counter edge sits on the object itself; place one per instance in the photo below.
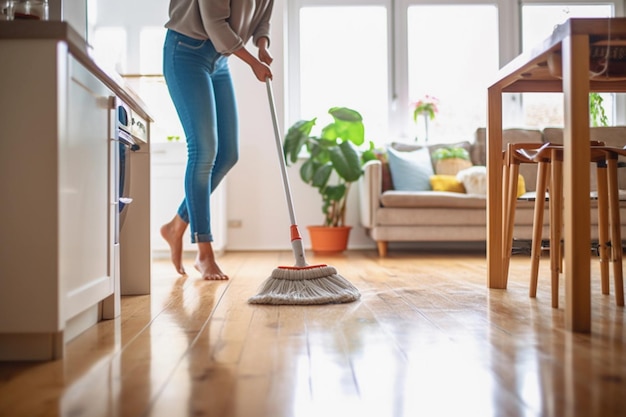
(78, 47)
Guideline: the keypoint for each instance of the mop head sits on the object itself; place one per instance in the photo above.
(319, 284)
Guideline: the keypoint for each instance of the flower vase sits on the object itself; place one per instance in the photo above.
(422, 129)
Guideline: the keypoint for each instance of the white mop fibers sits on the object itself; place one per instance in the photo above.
(311, 285)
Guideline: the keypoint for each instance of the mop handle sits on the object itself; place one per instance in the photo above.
(296, 239)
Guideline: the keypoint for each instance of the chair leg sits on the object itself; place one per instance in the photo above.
(382, 248)
(603, 225)
(505, 212)
(556, 224)
(540, 201)
(509, 216)
(616, 238)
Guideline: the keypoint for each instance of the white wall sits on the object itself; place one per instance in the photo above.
(254, 187)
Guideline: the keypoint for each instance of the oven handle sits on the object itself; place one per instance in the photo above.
(127, 139)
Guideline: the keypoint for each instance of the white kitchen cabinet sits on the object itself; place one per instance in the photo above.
(57, 258)
(86, 184)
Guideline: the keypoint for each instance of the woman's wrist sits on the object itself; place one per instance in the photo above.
(263, 42)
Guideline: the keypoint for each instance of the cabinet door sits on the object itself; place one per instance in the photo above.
(85, 206)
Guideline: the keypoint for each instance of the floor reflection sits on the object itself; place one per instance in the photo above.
(199, 377)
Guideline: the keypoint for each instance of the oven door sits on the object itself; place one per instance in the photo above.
(126, 144)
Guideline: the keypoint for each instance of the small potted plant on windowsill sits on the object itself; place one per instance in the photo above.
(333, 160)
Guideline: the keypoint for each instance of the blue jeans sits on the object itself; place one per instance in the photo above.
(199, 82)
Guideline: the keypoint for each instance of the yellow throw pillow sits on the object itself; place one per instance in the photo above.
(446, 183)
(521, 186)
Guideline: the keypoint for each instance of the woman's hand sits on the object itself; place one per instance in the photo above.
(265, 56)
(261, 69)
(264, 53)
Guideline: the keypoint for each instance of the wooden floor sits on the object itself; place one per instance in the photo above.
(427, 338)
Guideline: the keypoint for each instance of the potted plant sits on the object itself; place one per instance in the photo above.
(596, 110)
(450, 160)
(427, 108)
(333, 160)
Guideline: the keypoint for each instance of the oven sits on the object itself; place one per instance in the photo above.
(127, 138)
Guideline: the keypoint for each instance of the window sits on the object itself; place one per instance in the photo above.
(538, 22)
(343, 62)
(110, 47)
(379, 56)
(452, 55)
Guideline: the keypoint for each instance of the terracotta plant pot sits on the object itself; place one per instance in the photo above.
(326, 239)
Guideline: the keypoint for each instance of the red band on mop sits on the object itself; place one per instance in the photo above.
(303, 267)
(295, 234)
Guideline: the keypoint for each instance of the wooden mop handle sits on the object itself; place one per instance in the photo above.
(296, 239)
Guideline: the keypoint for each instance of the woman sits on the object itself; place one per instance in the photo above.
(201, 36)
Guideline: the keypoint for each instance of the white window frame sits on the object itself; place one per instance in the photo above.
(510, 46)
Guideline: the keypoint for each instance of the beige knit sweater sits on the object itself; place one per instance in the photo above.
(229, 24)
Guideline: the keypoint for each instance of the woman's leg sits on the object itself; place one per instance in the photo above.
(188, 65)
(227, 123)
(173, 232)
(226, 157)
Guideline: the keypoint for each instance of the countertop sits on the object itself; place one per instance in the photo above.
(78, 47)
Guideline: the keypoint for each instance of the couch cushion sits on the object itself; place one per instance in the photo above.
(410, 171)
(435, 199)
(446, 216)
(408, 147)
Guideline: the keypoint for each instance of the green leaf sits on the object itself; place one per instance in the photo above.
(449, 152)
(347, 125)
(346, 161)
(321, 175)
(307, 170)
(345, 114)
(297, 137)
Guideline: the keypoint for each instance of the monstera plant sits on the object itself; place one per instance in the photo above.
(333, 158)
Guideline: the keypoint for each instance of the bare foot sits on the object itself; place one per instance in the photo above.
(206, 265)
(173, 232)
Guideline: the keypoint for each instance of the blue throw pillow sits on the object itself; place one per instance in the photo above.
(410, 171)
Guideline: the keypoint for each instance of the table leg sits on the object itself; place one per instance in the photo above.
(495, 242)
(575, 56)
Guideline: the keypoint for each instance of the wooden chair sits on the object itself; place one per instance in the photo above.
(549, 180)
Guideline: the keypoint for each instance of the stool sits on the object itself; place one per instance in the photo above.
(550, 160)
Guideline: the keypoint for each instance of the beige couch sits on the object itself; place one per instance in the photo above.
(440, 216)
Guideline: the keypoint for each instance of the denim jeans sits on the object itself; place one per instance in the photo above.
(199, 82)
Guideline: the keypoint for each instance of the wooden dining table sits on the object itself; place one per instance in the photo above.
(582, 55)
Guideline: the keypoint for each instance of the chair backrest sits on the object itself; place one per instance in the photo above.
(611, 136)
(528, 171)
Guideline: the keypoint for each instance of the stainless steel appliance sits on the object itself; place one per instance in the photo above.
(130, 130)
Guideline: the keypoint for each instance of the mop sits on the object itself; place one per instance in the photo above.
(303, 283)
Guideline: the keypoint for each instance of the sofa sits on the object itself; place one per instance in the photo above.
(445, 216)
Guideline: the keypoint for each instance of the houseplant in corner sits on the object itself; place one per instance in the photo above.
(333, 160)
